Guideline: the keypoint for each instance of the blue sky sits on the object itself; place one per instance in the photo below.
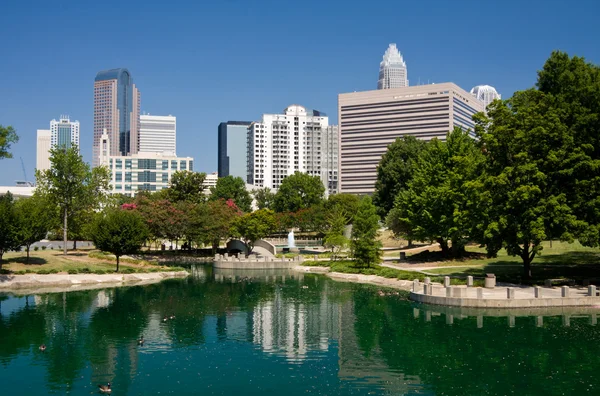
(212, 61)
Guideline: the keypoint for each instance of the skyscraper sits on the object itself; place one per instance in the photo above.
(299, 140)
(43, 149)
(64, 132)
(232, 148)
(116, 109)
(485, 93)
(158, 134)
(392, 70)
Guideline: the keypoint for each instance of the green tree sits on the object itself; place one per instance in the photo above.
(33, 217)
(233, 188)
(187, 186)
(336, 220)
(7, 137)
(441, 201)
(525, 143)
(71, 185)
(346, 204)
(220, 219)
(365, 229)
(9, 226)
(119, 232)
(254, 226)
(264, 198)
(395, 171)
(299, 191)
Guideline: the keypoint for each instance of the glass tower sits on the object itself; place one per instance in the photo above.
(64, 132)
(392, 70)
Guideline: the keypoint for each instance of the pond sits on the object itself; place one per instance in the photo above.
(271, 333)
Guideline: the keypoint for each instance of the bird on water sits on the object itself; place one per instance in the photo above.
(43, 347)
(105, 388)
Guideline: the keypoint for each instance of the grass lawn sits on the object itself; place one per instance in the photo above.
(79, 261)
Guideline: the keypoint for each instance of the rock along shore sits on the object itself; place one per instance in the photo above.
(358, 278)
(26, 284)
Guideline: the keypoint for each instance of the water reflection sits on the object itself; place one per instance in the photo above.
(271, 332)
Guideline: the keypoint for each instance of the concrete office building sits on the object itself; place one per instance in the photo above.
(140, 171)
(210, 181)
(294, 141)
(64, 132)
(371, 120)
(486, 94)
(232, 150)
(42, 148)
(158, 134)
(392, 70)
(116, 110)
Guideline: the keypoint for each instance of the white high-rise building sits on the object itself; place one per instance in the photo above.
(43, 149)
(64, 132)
(392, 70)
(485, 93)
(157, 134)
(298, 140)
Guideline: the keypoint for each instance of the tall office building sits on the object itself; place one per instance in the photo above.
(116, 110)
(486, 94)
(392, 70)
(371, 120)
(157, 134)
(43, 149)
(297, 141)
(64, 132)
(232, 148)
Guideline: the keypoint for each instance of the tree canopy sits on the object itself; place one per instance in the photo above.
(187, 186)
(33, 220)
(299, 191)
(254, 226)
(234, 188)
(9, 230)
(264, 198)
(365, 229)
(7, 137)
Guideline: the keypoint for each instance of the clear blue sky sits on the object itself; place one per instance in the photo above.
(212, 61)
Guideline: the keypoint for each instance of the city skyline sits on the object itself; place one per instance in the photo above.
(203, 82)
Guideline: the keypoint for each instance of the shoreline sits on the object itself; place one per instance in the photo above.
(34, 283)
(376, 280)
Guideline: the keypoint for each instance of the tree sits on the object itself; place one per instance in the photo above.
(70, 185)
(525, 144)
(8, 225)
(299, 191)
(187, 186)
(119, 232)
(347, 204)
(220, 218)
(254, 226)
(395, 171)
(365, 228)
(441, 202)
(233, 188)
(33, 218)
(264, 198)
(336, 220)
(7, 136)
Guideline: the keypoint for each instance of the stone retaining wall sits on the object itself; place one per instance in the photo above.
(240, 261)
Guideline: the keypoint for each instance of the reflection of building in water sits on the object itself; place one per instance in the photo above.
(293, 329)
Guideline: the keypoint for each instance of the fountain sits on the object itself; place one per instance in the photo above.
(291, 246)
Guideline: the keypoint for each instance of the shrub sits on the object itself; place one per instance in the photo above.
(51, 247)
(43, 272)
(85, 270)
(28, 271)
(127, 271)
(20, 273)
(43, 247)
(73, 271)
(99, 272)
(36, 248)
(53, 271)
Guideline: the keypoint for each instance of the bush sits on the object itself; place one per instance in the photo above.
(53, 271)
(28, 271)
(85, 270)
(51, 247)
(43, 247)
(127, 271)
(73, 271)
(20, 273)
(99, 272)
(43, 272)
(36, 248)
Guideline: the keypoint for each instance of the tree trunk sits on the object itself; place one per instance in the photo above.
(75, 244)
(117, 264)
(410, 243)
(65, 233)
(527, 259)
(1, 254)
(444, 246)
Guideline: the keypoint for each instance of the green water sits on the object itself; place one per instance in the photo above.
(294, 336)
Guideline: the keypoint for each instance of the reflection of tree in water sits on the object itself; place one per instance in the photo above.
(20, 331)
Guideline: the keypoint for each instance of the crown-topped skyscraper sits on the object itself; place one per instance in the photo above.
(392, 70)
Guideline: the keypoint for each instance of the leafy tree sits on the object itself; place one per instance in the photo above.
(233, 188)
(33, 218)
(336, 220)
(220, 218)
(7, 136)
(441, 201)
(187, 186)
(119, 232)
(299, 191)
(264, 198)
(165, 220)
(365, 228)
(525, 143)
(70, 185)
(347, 204)
(9, 228)
(254, 226)
(395, 171)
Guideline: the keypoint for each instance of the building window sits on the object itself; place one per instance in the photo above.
(191, 166)
(173, 165)
(119, 177)
(118, 164)
(165, 165)
(182, 165)
(128, 164)
(128, 176)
